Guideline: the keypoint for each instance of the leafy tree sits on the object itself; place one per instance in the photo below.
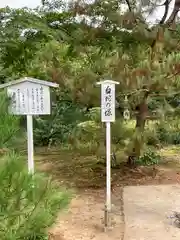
(77, 43)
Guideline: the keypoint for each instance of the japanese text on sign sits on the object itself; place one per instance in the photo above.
(108, 103)
(29, 98)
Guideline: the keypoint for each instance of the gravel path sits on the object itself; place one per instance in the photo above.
(146, 211)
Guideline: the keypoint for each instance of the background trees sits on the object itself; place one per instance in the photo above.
(76, 44)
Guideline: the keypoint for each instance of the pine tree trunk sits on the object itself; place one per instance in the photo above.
(140, 126)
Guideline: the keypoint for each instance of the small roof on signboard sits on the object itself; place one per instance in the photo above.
(107, 81)
(29, 79)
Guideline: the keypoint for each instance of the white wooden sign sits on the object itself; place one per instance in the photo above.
(108, 115)
(29, 97)
(108, 101)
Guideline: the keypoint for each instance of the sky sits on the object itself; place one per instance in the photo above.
(19, 3)
(157, 15)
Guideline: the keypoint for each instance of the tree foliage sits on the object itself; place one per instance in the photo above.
(76, 43)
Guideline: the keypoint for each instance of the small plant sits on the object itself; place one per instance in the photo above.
(150, 157)
(28, 205)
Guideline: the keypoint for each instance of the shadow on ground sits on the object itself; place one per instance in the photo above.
(73, 170)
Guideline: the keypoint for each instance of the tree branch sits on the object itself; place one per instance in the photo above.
(166, 4)
(174, 13)
(129, 5)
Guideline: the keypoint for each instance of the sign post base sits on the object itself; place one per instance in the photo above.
(107, 219)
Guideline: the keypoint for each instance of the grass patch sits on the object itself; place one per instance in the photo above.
(170, 150)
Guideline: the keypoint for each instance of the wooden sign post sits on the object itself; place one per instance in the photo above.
(108, 115)
(29, 97)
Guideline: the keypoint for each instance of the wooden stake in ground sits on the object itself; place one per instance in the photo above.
(108, 116)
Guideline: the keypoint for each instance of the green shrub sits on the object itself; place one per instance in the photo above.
(164, 133)
(169, 131)
(28, 205)
(176, 137)
(89, 134)
(9, 124)
(149, 157)
(151, 135)
(152, 138)
(57, 127)
(122, 131)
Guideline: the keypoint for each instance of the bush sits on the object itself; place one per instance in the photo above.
(169, 132)
(176, 138)
(151, 134)
(9, 124)
(164, 133)
(122, 131)
(150, 157)
(57, 127)
(89, 134)
(28, 205)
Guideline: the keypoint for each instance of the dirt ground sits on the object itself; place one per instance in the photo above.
(148, 211)
(85, 219)
(85, 216)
